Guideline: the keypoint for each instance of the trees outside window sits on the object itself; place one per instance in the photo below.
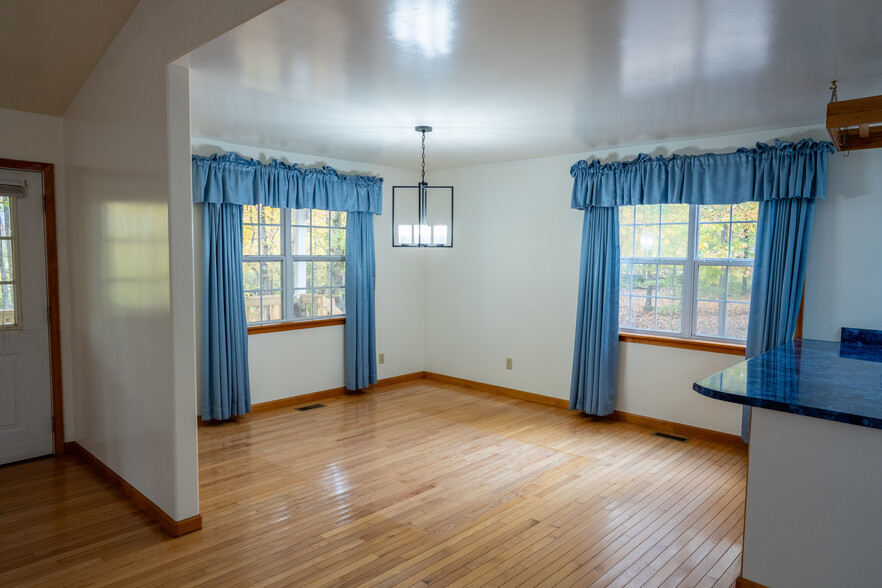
(293, 263)
(686, 270)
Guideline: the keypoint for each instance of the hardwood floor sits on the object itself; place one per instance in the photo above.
(421, 484)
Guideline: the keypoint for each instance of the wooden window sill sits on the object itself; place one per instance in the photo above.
(694, 344)
(295, 325)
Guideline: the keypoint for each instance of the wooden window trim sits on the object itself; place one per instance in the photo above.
(295, 325)
(680, 343)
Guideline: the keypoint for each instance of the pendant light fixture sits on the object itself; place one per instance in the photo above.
(422, 215)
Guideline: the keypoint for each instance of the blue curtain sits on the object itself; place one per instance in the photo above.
(593, 386)
(779, 172)
(233, 179)
(782, 177)
(361, 345)
(226, 388)
(225, 183)
(782, 241)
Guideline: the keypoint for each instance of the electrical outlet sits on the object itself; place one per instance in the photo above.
(382, 358)
(508, 363)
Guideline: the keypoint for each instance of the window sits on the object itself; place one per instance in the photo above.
(8, 271)
(293, 263)
(686, 270)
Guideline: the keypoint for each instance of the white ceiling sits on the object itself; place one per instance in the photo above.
(48, 48)
(503, 80)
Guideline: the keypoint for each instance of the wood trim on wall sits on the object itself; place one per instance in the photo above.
(172, 527)
(501, 390)
(652, 423)
(51, 231)
(740, 582)
(635, 419)
(295, 400)
(295, 325)
(694, 344)
(321, 395)
(397, 380)
(678, 429)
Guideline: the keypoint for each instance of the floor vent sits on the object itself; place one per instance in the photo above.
(674, 437)
(311, 406)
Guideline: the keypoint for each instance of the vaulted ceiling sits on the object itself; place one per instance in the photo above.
(48, 48)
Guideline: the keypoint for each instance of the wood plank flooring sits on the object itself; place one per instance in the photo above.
(421, 484)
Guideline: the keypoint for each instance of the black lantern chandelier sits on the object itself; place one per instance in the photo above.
(422, 215)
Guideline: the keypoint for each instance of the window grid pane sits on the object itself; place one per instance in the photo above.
(296, 272)
(650, 296)
(716, 273)
(727, 231)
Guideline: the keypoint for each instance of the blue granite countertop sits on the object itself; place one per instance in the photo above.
(822, 379)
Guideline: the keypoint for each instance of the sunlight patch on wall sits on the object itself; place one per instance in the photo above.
(136, 264)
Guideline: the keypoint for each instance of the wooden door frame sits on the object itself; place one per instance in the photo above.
(49, 222)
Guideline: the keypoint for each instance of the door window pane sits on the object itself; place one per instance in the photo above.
(6, 265)
(8, 277)
(7, 305)
(5, 216)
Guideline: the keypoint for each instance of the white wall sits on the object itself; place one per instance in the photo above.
(293, 363)
(130, 412)
(844, 274)
(508, 288)
(34, 137)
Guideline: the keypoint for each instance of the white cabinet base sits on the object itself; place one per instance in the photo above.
(814, 503)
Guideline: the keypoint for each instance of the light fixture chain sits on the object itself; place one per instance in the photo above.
(424, 158)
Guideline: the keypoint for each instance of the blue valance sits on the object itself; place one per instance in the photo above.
(785, 170)
(233, 179)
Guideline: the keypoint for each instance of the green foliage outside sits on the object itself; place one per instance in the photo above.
(312, 233)
(651, 292)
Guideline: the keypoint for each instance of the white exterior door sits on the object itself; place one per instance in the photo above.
(25, 384)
